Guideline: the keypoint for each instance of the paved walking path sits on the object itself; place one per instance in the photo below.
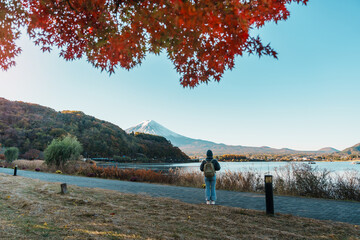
(342, 211)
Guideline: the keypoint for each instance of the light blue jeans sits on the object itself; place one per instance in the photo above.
(210, 194)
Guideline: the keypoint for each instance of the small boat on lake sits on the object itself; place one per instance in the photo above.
(311, 162)
(355, 162)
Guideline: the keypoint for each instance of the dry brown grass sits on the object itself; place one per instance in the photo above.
(32, 209)
(30, 164)
(70, 168)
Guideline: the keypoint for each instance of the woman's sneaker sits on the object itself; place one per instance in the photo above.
(207, 202)
(212, 202)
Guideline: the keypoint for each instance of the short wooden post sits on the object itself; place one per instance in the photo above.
(63, 188)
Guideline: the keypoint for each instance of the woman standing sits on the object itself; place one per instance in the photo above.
(209, 166)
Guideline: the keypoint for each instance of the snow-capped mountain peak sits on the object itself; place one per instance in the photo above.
(152, 127)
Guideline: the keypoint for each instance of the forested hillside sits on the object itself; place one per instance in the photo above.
(355, 150)
(32, 127)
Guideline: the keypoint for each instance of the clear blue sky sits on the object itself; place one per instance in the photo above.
(306, 100)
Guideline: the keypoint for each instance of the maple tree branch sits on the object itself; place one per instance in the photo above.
(72, 8)
(117, 5)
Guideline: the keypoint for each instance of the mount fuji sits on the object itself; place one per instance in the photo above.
(154, 128)
(198, 147)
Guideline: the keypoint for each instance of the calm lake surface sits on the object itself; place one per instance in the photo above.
(261, 167)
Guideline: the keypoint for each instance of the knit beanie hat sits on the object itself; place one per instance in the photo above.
(209, 154)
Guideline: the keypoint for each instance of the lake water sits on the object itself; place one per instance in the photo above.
(260, 167)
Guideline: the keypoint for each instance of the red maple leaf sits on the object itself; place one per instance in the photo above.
(202, 38)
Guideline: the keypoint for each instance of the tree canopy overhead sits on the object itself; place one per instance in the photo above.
(201, 37)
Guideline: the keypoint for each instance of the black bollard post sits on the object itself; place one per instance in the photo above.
(15, 170)
(269, 195)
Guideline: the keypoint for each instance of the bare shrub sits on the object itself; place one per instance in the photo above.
(347, 186)
(303, 180)
(283, 182)
(311, 182)
(246, 181)
(186, 178)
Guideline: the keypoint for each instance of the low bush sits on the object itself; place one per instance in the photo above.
(11, 154)
(32, 154)
(142, 175)
(60, 151)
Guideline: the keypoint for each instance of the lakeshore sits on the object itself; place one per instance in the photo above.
(291, 179)
(261, 167)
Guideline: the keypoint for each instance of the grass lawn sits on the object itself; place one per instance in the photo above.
(32, 209)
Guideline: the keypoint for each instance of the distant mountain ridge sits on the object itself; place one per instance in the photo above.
(352, 150)
(328, 150)
(198, 147)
